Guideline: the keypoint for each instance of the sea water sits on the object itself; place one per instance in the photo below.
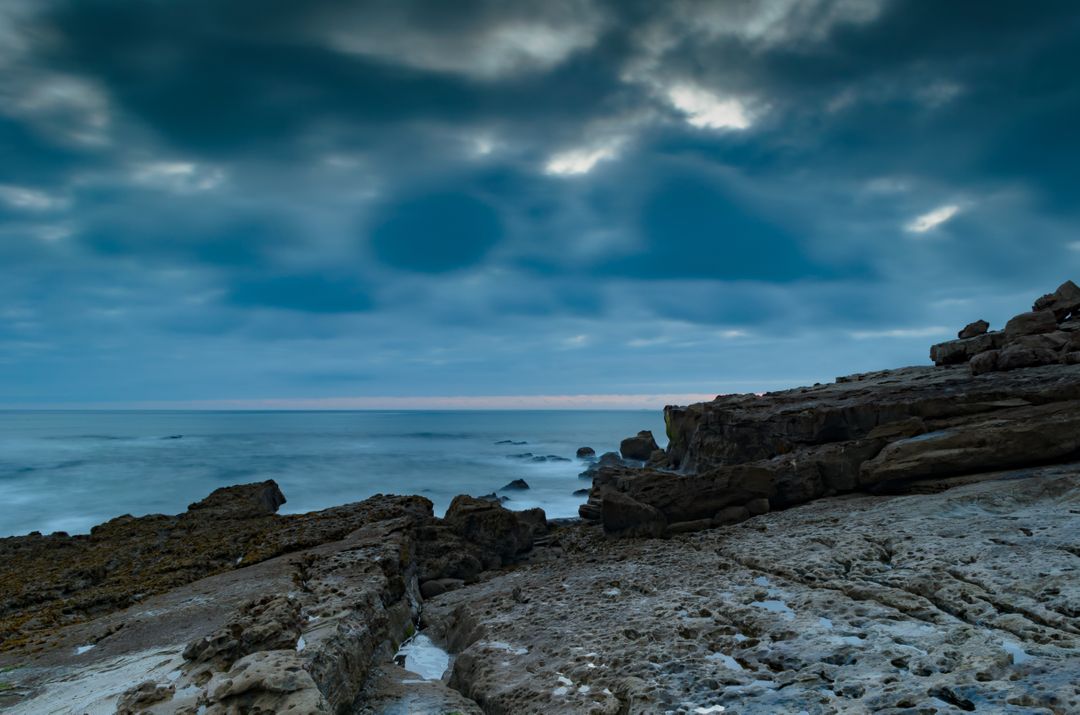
(67, 471)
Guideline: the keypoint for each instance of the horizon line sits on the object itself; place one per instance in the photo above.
(641, 401)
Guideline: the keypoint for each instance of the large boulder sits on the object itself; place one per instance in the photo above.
(639, 447)
(1033, 323)
(585, 453)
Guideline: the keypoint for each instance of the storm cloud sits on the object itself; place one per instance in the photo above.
(259, 199)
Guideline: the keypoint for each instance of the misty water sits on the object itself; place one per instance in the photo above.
(67, 471)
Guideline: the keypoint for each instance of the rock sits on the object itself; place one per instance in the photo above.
(979, 327)
(657, 460)
(855, 604)
(511, 442)
(489, 526)
(1046, 341)
(585, 492)
(517, 484)
(1018, 356)
(138, 699)
(639, 447)
(731, 515)
(1062, 302)
(1033, 323)
(954, 352)
(1072, 358)
(243, 501)
(688, 527)
(494, 498)
(683, 497)
(266, 682)
(270, 623)
(439, 586)
(622, 515)
(586, 452)
(985, 362)
(758, 506)
(1005, 439)
(607, 459)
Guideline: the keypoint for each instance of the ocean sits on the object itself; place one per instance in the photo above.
(69, 470)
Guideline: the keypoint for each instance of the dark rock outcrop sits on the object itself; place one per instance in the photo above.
(516, 485)
(586, 453)
(1012, 407)
(639, 447)
(1042, 336)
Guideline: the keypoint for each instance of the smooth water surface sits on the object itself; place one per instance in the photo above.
(67, 471)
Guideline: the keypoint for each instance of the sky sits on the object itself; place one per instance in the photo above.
(270, 203)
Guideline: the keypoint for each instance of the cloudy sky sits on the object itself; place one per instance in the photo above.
(328, 203)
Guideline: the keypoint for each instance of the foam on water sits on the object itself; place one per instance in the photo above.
(68, 471)
(424, 658)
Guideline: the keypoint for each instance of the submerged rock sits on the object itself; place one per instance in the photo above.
(517, 484)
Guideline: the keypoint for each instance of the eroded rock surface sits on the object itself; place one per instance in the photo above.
(944, 603)
(296, 633)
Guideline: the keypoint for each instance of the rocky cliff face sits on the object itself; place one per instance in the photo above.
(889, 430)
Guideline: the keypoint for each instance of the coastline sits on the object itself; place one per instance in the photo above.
(915, 551)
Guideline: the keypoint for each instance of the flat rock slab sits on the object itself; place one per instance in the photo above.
(951, 602)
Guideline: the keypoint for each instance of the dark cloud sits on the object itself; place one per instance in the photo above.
(435, 233)
(315, 293)
(513, 197)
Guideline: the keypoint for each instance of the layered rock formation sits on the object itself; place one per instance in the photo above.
(876, 432)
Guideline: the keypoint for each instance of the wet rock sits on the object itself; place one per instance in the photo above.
(585, 452)
(585, 492)
(639, 447)
(607, 459)
(1033, 323)
(511, 442)
(494, 498)
(971, 330)
(516, 485)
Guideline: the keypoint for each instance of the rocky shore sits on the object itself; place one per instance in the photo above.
(905, 541)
